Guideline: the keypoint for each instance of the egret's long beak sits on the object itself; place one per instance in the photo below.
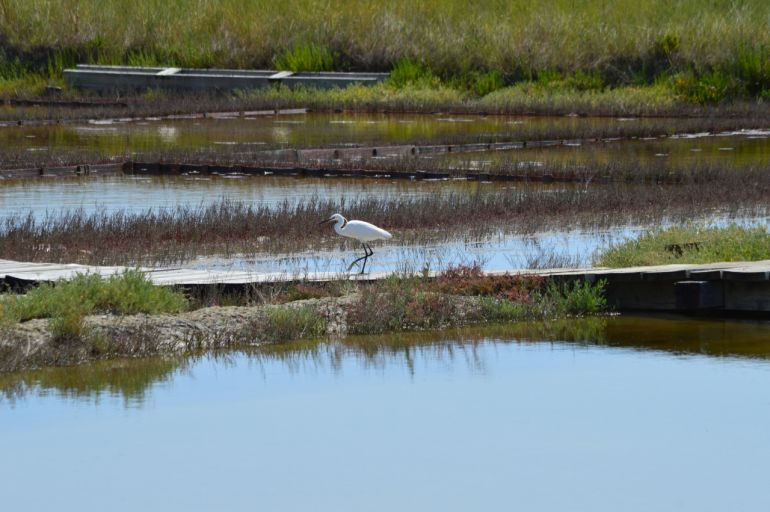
(325, 221)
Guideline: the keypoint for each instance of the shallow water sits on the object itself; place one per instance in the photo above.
(241, 136)
(633, 414)
(135, 194)
(311, 129)
(739, 148)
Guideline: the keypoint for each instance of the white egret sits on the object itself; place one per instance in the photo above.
(361, 231)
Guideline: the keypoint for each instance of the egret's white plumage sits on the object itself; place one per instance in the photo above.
(362, 231)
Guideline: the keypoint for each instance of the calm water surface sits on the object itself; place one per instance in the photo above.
(242, 136)
(631, 414)
(136, 194)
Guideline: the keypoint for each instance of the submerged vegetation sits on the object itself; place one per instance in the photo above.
(690, 244)
(702, 53)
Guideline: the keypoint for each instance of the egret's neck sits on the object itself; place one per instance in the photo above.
(339, 225)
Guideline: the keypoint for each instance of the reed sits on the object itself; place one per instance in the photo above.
(227, 228)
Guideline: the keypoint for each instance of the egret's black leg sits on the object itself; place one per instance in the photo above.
(364, 257)
(369, 253)
(363, 267)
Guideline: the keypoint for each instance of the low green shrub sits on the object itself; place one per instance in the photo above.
(67, 302)
(552, 300)
(576, 297)
(485, 83)
(407, 72)
(706, 89)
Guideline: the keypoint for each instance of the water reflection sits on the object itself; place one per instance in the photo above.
(129, 379)
(671, 334)
(579, 416)
(462, 348)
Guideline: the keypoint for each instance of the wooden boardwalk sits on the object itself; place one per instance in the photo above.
(739, 287)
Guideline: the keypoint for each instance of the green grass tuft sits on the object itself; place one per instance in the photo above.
(690, 245)
(407, 72)
(307, 57)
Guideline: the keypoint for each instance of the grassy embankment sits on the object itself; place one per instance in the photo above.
(600, 56)
(461, 296)
(690, 244)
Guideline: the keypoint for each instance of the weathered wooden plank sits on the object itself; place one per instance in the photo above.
(712, 274)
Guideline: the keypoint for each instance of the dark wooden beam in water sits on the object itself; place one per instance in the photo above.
(66, 171)
(735, 287)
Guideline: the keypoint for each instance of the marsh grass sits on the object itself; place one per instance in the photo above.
(284, 324)
(586, 45)
(225, 228)
(463, 95)
(690, 244)
(624, 40)
(414, 303)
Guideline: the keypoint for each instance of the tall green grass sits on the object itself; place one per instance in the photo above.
(487, 44)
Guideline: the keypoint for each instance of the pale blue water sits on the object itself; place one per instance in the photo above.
(451, 425)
